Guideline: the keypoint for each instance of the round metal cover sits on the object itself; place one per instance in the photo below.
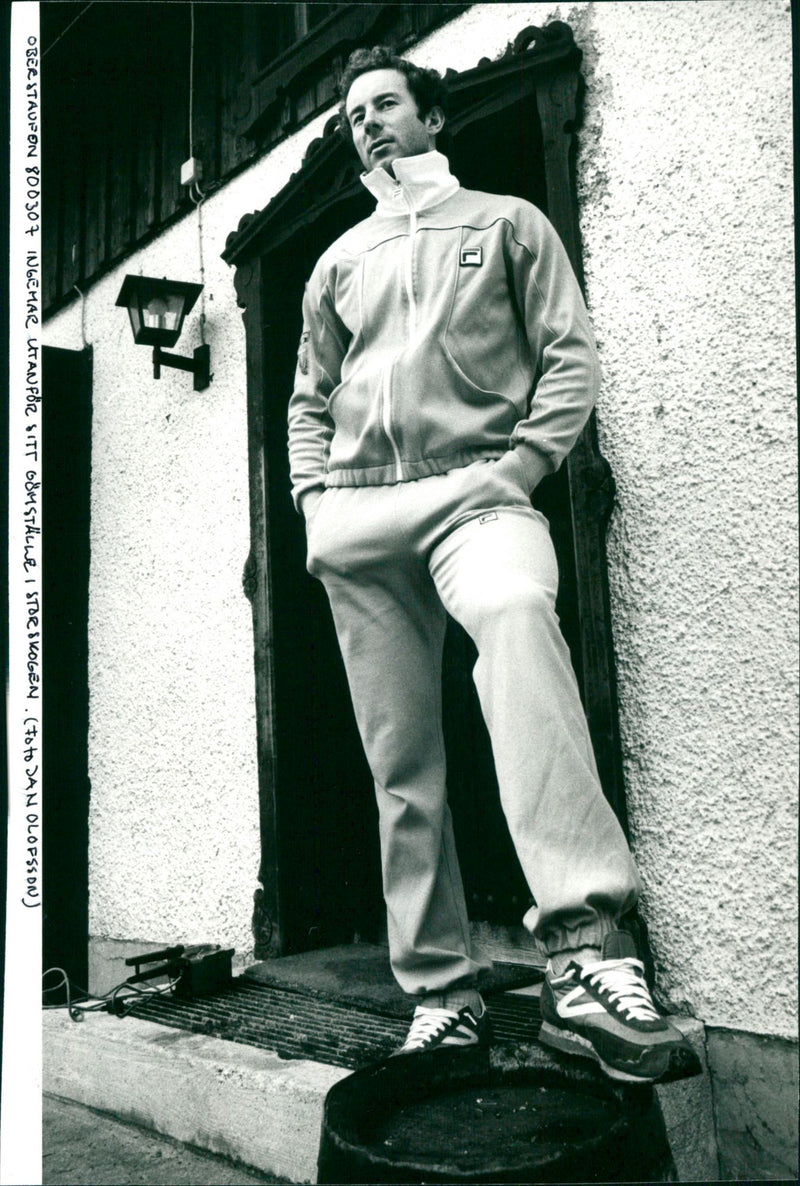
(454, 1116)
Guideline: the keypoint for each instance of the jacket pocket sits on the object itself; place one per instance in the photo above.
(513, 470)
(507, 474)
(483, 334)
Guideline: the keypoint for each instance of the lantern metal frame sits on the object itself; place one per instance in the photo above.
(136, 294)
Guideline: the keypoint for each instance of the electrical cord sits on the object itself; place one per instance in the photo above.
(115, 1006)
(191, 79)
(82, 295)
(112, 1001)
(64, 32)
(194, 188)
(198, 204)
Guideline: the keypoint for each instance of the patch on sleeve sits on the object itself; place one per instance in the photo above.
(302, 351)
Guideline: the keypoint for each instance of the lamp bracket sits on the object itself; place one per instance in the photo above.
(198, 365)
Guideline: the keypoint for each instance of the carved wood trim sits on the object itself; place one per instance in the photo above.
(257, 583)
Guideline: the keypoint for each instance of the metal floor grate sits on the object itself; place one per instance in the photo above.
(515, 1018)
(299, 1026)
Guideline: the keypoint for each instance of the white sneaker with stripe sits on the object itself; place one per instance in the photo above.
(439, 1029)
(603, 1010)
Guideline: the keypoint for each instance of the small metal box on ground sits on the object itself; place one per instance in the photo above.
(205, 970)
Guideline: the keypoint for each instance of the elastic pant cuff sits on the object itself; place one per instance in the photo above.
(565, 938)
(455, 999)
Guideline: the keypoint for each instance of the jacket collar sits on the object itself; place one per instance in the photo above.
(422, 181)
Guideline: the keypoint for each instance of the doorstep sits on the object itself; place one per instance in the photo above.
(244, 1103)
(254, 1107)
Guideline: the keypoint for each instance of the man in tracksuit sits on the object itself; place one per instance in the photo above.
(446, 365)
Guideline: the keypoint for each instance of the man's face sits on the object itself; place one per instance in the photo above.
(385, 122)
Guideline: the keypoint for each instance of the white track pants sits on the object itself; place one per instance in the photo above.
(393, 559)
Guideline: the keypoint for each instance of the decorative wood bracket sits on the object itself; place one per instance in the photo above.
(265, 928)
(250, 578)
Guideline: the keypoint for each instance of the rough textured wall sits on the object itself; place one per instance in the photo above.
(686, 198)
(174, 839)
(685, 187)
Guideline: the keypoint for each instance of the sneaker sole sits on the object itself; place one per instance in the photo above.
(442, 1046)
(572, 1043)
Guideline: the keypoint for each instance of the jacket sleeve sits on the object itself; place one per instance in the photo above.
(561, 342)
(323, 345)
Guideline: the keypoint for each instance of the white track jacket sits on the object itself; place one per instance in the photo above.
(446, 327)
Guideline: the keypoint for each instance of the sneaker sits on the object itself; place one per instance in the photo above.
(437, 1029)
(603, 1010)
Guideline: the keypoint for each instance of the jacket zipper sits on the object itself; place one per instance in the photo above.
(387, 427)
(412, 306)
(408, 269)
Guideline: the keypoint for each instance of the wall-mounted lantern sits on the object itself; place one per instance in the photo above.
(157, 309)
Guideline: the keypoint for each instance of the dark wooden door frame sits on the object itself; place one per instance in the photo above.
(545, 61)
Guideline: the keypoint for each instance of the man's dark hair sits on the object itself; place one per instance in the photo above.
(427, 87)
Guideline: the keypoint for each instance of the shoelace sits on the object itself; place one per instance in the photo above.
(427, 1024)
(623, 981)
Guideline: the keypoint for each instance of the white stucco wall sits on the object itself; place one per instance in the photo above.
(686, 194)
(685, 183)
(174, 842)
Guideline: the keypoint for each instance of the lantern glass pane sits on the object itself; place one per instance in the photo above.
(163, 312)
(136, 319)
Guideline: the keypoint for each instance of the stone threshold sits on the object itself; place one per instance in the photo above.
(263, 1111)
(244, 1103)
